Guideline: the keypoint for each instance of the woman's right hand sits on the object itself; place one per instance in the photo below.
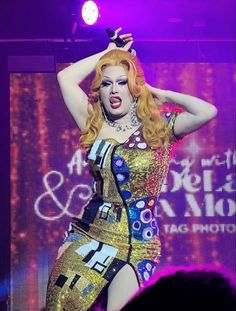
(127, 37)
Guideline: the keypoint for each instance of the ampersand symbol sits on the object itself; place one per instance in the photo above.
(50, 192)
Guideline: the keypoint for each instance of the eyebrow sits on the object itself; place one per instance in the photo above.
(118, 77)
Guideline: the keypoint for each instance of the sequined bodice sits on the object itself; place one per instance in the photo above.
(129, 171)
(131, 174)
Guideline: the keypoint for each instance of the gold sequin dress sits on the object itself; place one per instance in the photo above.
(119, 225)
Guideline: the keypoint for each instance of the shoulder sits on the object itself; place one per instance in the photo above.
(170, 118)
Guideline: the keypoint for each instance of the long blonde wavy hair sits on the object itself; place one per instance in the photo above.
(155, 130)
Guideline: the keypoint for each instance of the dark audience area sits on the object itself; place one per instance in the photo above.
(194, 290)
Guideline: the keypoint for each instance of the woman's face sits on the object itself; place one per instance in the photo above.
(114, 92)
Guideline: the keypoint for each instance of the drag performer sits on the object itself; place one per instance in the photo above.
(114, 245)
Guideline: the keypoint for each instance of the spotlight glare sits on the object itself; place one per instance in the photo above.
(90, 12)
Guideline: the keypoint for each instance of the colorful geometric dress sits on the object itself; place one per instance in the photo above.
(119, 225)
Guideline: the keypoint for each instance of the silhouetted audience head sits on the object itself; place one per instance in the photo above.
(187, 290)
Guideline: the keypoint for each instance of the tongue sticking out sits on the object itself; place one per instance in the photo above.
(115, 102)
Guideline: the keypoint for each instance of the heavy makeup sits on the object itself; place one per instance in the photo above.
(115, 95)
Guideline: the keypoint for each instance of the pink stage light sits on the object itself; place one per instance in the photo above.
(90, 12)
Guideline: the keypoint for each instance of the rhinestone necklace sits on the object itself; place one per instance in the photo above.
(122, 127)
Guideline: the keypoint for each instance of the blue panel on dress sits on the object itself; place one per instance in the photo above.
(121, 170)
(143, 222)
(147, 268)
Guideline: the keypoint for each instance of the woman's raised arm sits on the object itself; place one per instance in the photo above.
(70, 78)
(197, 111)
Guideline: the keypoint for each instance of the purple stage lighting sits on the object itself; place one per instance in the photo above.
(90, 12)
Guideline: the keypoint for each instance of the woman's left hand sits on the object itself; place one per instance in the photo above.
(127, 38)
(159, 95)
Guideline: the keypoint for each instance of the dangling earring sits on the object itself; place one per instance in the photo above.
(133, 113)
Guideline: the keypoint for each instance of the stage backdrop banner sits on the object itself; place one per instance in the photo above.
(50, 180)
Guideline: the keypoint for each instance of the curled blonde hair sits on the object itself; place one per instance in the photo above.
(155, 130)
